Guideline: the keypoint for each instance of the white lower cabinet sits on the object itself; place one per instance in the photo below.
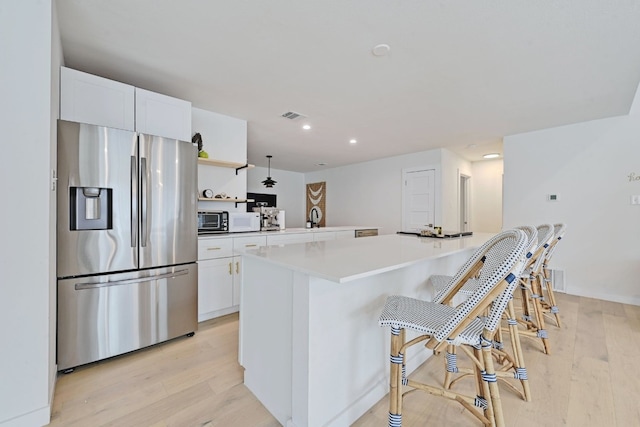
(215, 277)
(220, 274)
(239, 244)
(215, 287)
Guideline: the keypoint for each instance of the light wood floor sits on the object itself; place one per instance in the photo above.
(590, 379)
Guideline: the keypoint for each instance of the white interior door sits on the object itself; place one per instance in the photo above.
(418, 211)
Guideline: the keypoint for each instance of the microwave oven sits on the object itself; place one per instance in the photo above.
(240, 222)
(211, 222)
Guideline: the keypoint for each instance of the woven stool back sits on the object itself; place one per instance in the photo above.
(503, 260)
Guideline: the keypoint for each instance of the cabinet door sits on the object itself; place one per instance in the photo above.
(162, 115)
(85, 98)
(215, 286)
(223, 137)
(237, 279)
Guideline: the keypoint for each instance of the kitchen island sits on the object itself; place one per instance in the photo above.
(310, 344)
(219, 267)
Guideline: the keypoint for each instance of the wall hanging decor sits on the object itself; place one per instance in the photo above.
(316, 199)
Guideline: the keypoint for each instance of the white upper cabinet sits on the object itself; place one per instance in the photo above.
(86, 98)
(162, 115)
(223, 137)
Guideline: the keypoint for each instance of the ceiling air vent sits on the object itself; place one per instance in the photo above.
(292, 115)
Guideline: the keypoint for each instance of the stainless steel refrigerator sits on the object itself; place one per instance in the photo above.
(127, 241)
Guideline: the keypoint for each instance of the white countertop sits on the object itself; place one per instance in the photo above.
(350, 259)
(287, 231)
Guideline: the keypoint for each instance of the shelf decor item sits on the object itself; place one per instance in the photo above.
(197, 139)
(269, 182)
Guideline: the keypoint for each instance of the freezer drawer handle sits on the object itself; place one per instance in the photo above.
(84, 286)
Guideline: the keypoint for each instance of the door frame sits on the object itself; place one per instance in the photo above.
(437, 204)
(464, 200)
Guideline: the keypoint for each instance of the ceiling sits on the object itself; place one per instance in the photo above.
(459, 74)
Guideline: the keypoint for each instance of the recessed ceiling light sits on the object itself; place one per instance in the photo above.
(352, 141)
(306, 127)
(381, 50)
(491, 156)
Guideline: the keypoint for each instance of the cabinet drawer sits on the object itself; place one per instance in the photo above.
(248, 242)
(210, 248)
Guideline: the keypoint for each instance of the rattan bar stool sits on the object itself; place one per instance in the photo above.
(464, 326)
(550, 306)
(512, 365)
(531, 290)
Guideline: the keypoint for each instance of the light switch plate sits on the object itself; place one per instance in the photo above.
(635, 200)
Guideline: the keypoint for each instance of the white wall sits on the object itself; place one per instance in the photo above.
(290, 190)
(486, 196)
(588, 166)
(370, 193)
(27, 260)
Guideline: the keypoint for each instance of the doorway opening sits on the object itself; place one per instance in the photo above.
(465, 203)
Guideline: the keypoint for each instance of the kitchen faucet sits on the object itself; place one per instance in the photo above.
(314, 223)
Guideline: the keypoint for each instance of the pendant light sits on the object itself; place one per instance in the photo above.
(269, 182)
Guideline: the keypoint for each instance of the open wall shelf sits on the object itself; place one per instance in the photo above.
(236, 201)
(224, 164)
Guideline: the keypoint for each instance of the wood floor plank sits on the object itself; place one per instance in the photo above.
(590, 379)
(623, 344)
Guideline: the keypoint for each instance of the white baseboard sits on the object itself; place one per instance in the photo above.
(606, 296)
(39, 417)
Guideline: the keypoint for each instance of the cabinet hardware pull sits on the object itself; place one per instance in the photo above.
(250, 245)
(230, 269)
(213, 249)
(237, 267)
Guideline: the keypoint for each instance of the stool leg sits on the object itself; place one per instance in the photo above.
(536, 287)
(483, 394)
(451, 365)
(552, 298)
(518, 355)
(526, 308)
(489, 377)
(395, 378)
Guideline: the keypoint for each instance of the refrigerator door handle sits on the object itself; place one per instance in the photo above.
(134, 202)
(143, 197)
(171, 275)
